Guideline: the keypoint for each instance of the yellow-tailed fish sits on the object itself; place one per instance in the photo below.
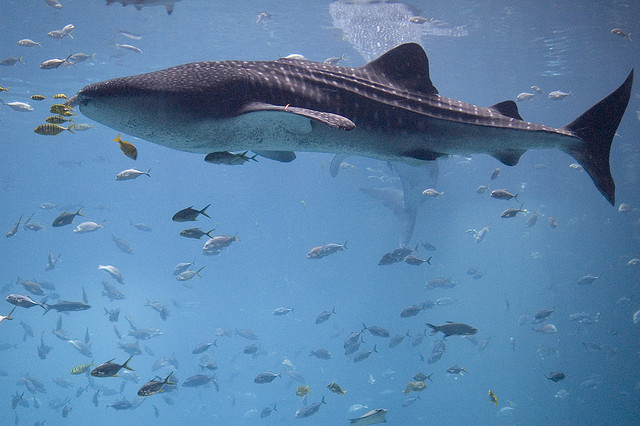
(82, 368)
(60, 96)
(51, 129)
(38, 97)
(128, 149)
(57, 119)
(6, 89)
(60, 109)
(302, 391)
(493, 399)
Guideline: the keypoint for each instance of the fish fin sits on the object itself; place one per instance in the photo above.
(332, 120)
(596, 128)
(405, 67)
(510, 157)
(422, 154)
(202, 212)
(507, 108)
(281, 156)
(337, 159)
(126, 364)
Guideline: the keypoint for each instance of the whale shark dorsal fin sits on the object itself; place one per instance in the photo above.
(332, 120)
(406, 67)
(508, 108)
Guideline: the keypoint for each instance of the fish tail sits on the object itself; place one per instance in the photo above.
(46, 307)
(596, 128)
(9, 317)
(118, 139)
(79, 213)
(333, 310)
(208, 234)
(126, 364)
(203, 213)
(147, 172)
(429, 260)
(434, 329)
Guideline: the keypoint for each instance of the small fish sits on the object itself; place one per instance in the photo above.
(18, 106)
(86, 227)
(127, 149)
(302, 391)
(110, 369)
(524, 96)
(26, 42)
(57, 119)
(556, 376)
(456, 370)
(319, 252)
(503, 194)
(14, 229)
(552, 222)
(8, 316)
(537, 90)
(430, 192)
(54, 63)
(189, 214)
(511, 212)
(154, 386)
(9, 62)
(324, 316)
(129, 48)
(493, 399)
(621, 33)
(82, 127)
(266, 411)
(333, 60)
(282, 311)
(558, 95)
(38, 97)
(195, 233)
(51, 129)
(129, 34)
(61, 109)
(587, 279)
(65, 218)
(131, 174)
(418, 20)
(228, 158)
(188, 275)
(266, 377)
(336, 388)
(76, 58)
(81, 368)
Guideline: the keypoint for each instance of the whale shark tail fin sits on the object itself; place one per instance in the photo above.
(596, 128)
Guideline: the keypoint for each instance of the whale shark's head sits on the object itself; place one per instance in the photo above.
(190, 91)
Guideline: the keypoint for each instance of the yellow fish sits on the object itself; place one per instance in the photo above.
(38, 97)
(60, 109)
(82, 368)
(493, 399)
(128, 149)
(60, 96)
(335, 388)
(57, 119)
(6, 89)
(51, 129)
(302, 391)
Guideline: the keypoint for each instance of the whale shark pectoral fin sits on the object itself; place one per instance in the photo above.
(510, 157)
(281, 156)
(332, 120)
(422, 154)
(334, 168)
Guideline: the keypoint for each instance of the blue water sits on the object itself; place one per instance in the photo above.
(280, 211)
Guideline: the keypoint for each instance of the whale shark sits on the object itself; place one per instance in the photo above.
(387, 109)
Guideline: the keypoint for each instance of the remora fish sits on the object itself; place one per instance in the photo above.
(393, 110)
